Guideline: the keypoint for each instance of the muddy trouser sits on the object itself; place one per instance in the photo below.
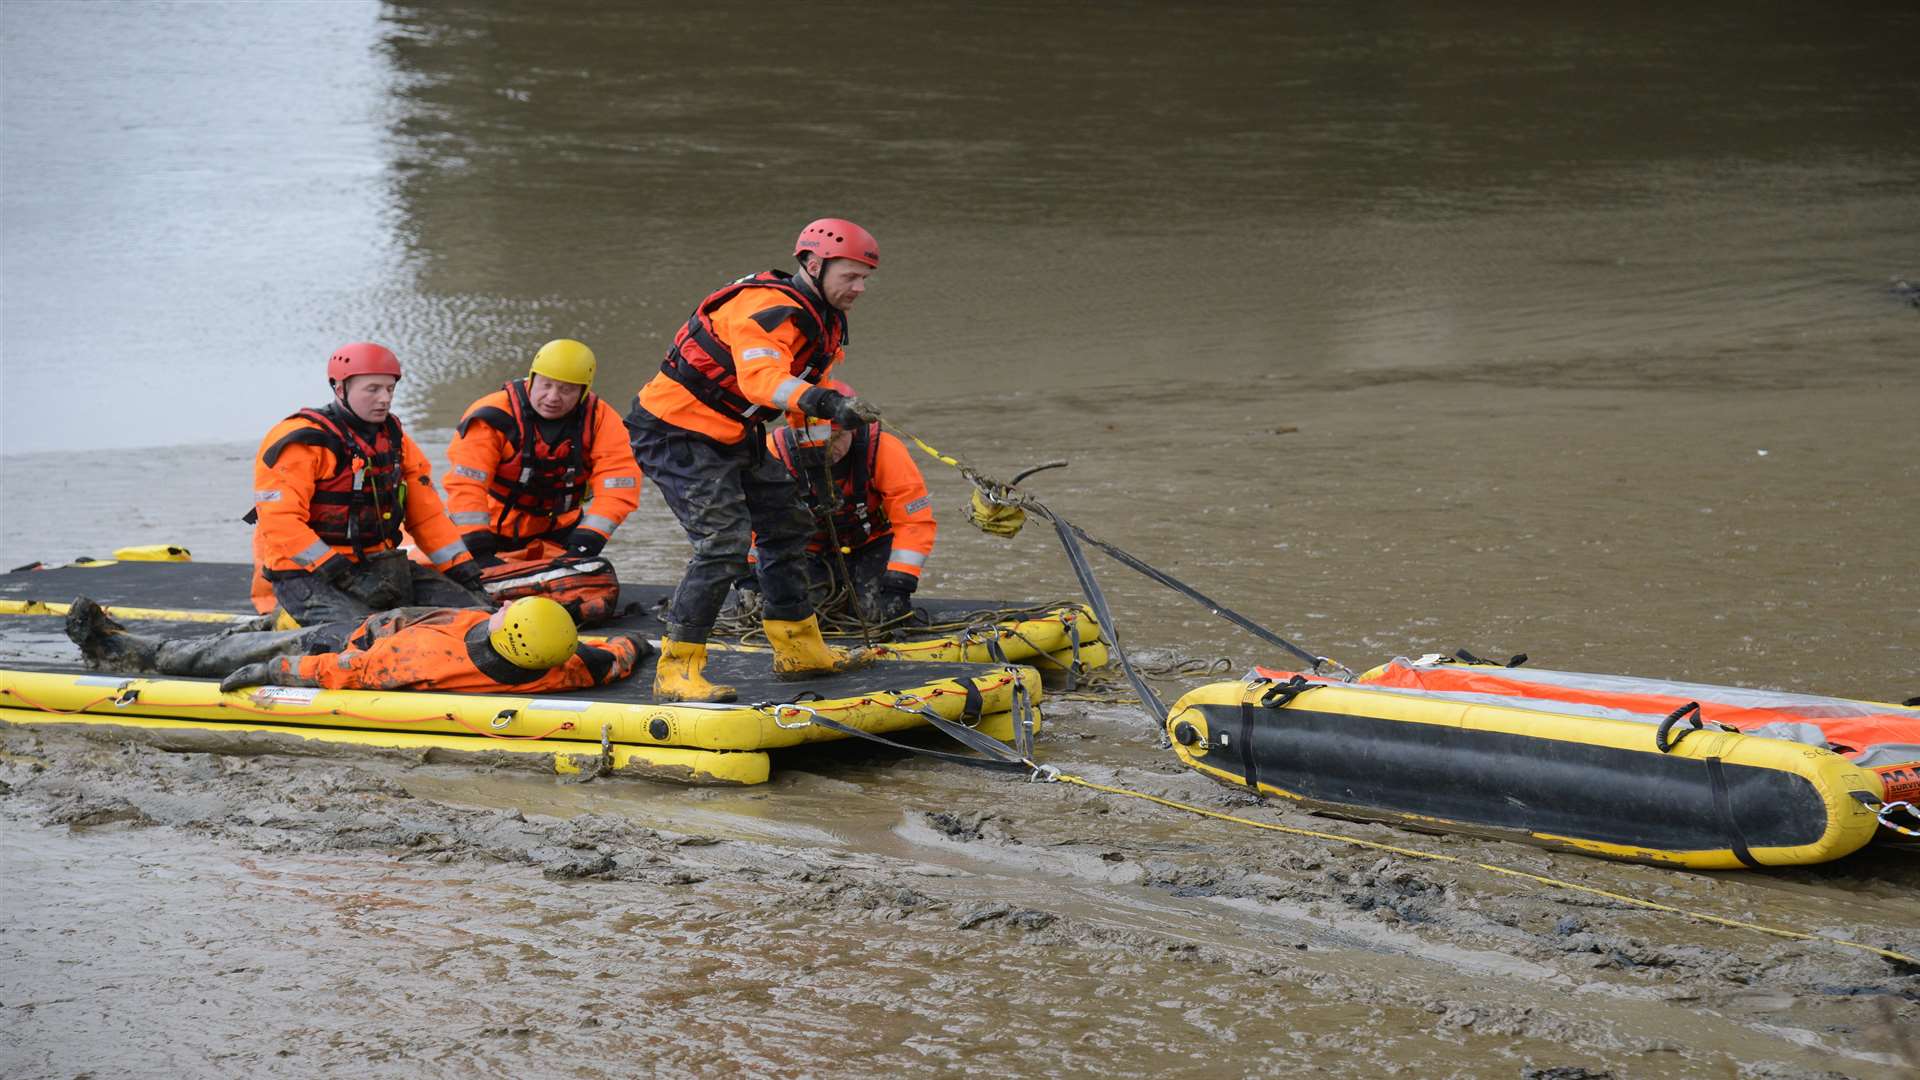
(217, 655)
(379, 583)
(725, 497)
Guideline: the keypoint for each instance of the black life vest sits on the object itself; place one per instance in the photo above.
(540, 478)
(362, 503)
(701, 362)
(858, 515)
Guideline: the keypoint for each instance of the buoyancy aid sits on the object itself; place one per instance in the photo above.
(858, 514)
(543, 477)
(362, 503)
(705, 365)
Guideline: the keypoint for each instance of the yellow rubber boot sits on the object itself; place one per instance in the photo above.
(799, 652)
(677, 674)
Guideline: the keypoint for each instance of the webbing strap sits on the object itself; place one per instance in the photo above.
(1098, 599)
(1249, 765)
(998, 754)
(1723, 805)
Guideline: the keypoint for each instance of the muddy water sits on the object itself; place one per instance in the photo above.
(1517, 327)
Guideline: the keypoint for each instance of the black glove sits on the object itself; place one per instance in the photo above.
(896, 596)
(334, 569)
(466, 575)
(484, 546)
(849, 412)
(889, 606)
(585, 543)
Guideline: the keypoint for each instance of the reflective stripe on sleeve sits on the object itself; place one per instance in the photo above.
(595, 521)
(448, 553)
(315, 552)
(907, 557)
(620, 482)
(759, 353)
(266, 496)
(919, 504)
(470, 473)
(469, 517)
(784, 394)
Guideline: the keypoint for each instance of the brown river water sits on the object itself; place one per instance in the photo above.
(1400, 328)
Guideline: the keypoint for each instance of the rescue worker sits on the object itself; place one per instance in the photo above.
(752, 350)
(529, 646)
(333, 488)
(870, 501)
(542, 459)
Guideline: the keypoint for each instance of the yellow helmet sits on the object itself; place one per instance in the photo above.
(564, 360)
(533, 632)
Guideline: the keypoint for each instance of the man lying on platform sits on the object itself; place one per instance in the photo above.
(528, 646)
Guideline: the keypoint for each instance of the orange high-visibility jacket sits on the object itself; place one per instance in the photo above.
(508, 479)
(778, 339)
(447, 649)
(315, 476)
(882, 495)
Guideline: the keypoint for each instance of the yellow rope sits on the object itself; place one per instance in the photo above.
(1436, 857)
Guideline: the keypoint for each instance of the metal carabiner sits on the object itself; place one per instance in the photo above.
(796, 707)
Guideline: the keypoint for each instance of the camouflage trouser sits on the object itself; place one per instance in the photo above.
(728, 499)
(379, 583)
(215, 655)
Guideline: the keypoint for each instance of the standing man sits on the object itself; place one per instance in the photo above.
(868, 498)
(332, 489)
(542, 458)
(751, 351)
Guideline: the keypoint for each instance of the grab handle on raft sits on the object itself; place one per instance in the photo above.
(1666, 726)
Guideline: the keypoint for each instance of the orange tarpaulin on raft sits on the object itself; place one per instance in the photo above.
(1881, 737)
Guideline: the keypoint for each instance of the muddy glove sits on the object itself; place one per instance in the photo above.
(483, 546)
(642, 648)
(848, 412)
(585, 543)
(267, 673)
(896, 596)
(466, 575)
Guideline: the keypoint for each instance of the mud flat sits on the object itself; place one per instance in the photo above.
(192, 913)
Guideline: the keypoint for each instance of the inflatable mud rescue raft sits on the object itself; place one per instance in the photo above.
(1650, 770)
(983, 677)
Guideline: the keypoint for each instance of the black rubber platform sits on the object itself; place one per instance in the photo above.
(39, 643)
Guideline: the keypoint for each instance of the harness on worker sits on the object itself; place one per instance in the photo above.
(362, 502)
(706, 366)
(544, 476)
(854, 514)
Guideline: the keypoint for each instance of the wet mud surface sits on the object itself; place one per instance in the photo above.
(197, 914)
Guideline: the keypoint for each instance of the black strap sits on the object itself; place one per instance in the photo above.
(1249, 766)
(497, 419)
(1190, 593)
(1723, 805)
(998, 755)
(1098, 601)
(1466, 657)
(970, 709)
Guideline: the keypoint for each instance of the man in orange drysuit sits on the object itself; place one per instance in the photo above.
(542, 459)
(527, 647)
(876, 511)
(751, 351)
(333, 488)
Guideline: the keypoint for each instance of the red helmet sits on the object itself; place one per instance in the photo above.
(361, 358)
(838, 238)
